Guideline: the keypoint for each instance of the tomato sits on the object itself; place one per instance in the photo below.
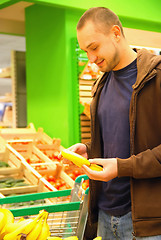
(57, 185)
(50, 178)
(77, 172)
(72, 175)
(85, 184)
(28, 160)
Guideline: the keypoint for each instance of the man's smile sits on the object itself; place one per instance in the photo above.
(100, 63)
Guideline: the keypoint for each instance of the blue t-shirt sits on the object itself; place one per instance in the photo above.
(113, 113)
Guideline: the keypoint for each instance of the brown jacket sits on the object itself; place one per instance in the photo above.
(144, 165)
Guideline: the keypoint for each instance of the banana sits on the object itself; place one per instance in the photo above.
(71, 238)
(32, 224)
(9, 218)
(54, 238)
(21, 219)
(25, 228)
(35, 231)
(14, 234)
(2, 222)
(45, 232)
(98, 238)
(11, 227)
(79, 160)
(8, 214)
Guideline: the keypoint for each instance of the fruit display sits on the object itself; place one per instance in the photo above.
(35, 228)
(58, 183)
(70, 238)
(61, 214)
(21, 178)
(73, 171)
(45, 161)
(30, 228)
(50, 149)
(47, 168)
(31, 164)
(85, 184)
(40, 154)
(67, 238)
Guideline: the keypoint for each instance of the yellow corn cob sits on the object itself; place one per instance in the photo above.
(79, 160)
(95, 167)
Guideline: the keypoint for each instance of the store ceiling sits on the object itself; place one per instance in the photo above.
(13, 13)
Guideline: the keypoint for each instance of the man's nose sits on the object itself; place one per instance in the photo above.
(92, 58)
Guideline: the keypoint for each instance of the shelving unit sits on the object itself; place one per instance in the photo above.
(6, 101)
(13, 104)
(87, 74)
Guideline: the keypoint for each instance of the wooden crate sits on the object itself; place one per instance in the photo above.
(15, 165)
(40, 138)
(16, 133)
(41, 148)
(28, 178)
(36, 182)
(2, 148)
(40, 162)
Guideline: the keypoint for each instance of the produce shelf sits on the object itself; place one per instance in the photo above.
(65, 218)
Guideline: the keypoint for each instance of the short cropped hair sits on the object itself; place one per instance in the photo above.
(100, 16)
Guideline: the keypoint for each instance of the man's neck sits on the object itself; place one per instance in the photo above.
(128, 55)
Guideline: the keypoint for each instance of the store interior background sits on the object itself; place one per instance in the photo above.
(46, 31)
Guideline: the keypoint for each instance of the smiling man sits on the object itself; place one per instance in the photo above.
(105, 44)
(125, 198)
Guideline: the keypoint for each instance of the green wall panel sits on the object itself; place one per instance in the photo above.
(52, 81)
(47, 95)
(71, 19)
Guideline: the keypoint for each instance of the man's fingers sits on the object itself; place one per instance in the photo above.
(92, 174)
(97, 161)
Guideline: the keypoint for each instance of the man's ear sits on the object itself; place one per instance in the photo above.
(116, 32)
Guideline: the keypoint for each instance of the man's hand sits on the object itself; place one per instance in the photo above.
(79, 148)
(109, 169)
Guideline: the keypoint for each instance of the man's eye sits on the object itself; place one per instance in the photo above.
(94, 48)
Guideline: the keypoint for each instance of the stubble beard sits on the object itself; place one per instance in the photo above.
(111, 64)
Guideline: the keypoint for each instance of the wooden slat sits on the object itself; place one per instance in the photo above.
(85, 88)
(83, 117)
(85, 94)
(83, 100)
(85, 135)
(85, 123)
(85, 140)
(85, 129)
(86, 82)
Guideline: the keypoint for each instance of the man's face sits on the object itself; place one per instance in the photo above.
(102, 48)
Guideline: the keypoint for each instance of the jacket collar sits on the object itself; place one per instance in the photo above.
(98, 83)
(146, 62)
